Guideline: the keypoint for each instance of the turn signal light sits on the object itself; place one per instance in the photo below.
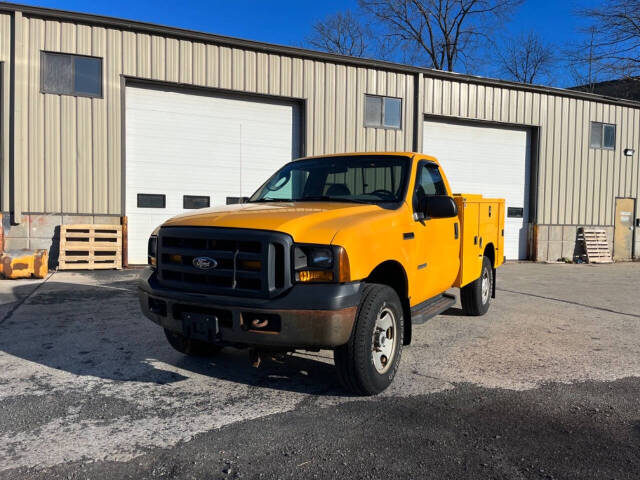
(253, 265)
(315, 276)
(175, 258)
(344, 269)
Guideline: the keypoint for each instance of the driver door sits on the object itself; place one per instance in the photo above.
(437, 253)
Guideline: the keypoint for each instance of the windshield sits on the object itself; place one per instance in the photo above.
(360, 179)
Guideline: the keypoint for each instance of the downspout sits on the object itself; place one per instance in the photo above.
(418, 116)
(15, 134)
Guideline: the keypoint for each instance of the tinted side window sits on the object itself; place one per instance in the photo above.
(430, 180)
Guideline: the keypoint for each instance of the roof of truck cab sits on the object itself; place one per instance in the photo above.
(353, 154)
(377, 154)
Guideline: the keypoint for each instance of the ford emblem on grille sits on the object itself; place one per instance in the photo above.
(204, 263)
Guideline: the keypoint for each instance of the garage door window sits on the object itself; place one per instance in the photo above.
(195, 201)
(383, 112)
(603, 135)
(76, 75)
(151, 200)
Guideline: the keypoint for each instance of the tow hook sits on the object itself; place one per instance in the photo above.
(255, 357)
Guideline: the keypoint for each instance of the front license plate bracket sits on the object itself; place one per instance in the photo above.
(200, 326)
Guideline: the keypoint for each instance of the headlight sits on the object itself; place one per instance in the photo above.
(320, 263)
(152, 250)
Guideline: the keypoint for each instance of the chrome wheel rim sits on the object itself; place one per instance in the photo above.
(383, 346)
(486, 286)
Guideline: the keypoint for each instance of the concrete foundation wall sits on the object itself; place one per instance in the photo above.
(558, 242)
(553, 242)
(43, 231)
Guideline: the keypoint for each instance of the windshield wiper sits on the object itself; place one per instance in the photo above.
(314, 198)
(325, 198)
(265, 200)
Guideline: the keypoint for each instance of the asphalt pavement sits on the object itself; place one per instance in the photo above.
(546, 385)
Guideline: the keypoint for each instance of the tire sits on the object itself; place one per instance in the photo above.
(361, 369)
(187, 346)
(474, 298)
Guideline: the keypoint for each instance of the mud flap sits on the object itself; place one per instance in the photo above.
(493, 286)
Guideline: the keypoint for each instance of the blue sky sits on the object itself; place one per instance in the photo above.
(287, 22)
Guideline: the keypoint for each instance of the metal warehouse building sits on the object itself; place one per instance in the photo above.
(104, 119)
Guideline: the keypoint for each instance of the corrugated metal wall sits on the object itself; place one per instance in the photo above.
(68, 149)
(577, 184)
(5, 57)
(71, 146)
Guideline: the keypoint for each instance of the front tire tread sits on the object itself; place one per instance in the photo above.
(353, 360)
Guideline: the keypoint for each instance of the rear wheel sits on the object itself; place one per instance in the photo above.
(190, 346)
(368, 363)
(476, 297)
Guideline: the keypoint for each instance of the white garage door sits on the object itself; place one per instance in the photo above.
(489, 160)
(189, 150)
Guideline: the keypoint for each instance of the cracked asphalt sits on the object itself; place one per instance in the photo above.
(546, 385)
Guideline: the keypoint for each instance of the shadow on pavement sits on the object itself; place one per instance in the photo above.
(453, 312)
(98, 330)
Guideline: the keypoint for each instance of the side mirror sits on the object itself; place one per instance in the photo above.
(438, 206)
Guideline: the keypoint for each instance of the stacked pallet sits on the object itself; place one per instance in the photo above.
(596, 245)
(90, 247)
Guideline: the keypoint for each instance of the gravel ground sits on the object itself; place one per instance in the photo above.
(546, 385)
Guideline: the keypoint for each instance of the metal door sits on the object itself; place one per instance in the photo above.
(623, 236)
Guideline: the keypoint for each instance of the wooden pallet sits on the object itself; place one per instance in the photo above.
(596, 245)
(90, 247)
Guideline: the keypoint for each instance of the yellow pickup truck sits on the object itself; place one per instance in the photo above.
(344, 252)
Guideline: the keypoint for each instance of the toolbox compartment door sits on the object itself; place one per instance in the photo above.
(470, 263)
(481, 223)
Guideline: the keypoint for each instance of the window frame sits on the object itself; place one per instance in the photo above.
(602, 126)
(44, 53)
(382, 112)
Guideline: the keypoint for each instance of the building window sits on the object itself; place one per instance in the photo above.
(382, 112)
(603, 135)
(76, 75)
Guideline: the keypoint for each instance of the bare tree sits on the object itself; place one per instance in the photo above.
(615, 27)
(584, 62)
(526, 58)
(438, 31)
(341, 33)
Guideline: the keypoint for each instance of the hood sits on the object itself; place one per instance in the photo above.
(306, 222)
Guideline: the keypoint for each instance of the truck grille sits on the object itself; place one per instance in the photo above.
(240, 262)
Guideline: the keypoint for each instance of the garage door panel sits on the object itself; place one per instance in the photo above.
(489, 160)
(184, 144)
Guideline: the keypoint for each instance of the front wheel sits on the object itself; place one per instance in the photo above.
(476, 296)
(189, 346)
(368, 363)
